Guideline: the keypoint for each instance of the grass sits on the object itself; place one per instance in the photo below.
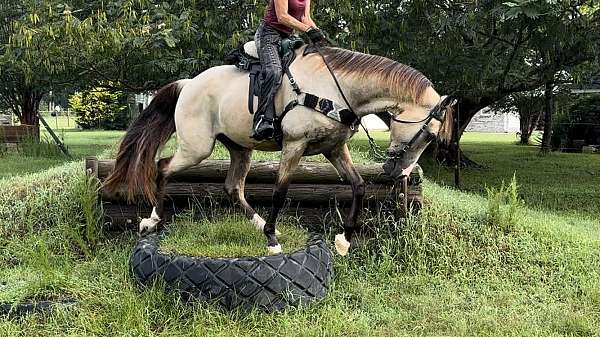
(79, 143)
(564, 182)
(476, 264)
(227, 235)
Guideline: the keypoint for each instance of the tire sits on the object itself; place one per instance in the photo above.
(268, 283)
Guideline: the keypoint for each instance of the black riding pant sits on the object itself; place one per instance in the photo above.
(268, 44)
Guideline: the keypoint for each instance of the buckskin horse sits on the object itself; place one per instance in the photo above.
(337, 88)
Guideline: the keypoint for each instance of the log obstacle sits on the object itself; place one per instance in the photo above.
(314, 186)
(16, 134)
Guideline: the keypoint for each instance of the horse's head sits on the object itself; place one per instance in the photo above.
(413, 127)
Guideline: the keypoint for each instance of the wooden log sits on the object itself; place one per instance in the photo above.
(215, 171)
(314, 186)
(262, 193)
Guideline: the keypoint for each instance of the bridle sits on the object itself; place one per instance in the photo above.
(424, 134)
(438, 112)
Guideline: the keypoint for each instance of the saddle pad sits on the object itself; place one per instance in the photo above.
(250, 49)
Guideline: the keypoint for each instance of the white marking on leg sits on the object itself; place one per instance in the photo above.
(149, 224)
(274, 250)
(154, 216)
(341, 244)
(259, 223)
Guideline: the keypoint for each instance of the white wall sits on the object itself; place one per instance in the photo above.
(487, 120)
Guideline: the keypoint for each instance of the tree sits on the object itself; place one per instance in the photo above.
(100, 108)
(529, 106)
(480, 51)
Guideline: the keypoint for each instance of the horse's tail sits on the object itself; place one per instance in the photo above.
(135, 166)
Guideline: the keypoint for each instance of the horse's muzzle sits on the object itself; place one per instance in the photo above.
(399, 163)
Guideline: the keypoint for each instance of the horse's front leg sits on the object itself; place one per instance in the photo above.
(341, 160)
(290, 157)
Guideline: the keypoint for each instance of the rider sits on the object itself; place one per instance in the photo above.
(282, 17)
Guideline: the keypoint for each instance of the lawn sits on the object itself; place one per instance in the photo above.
(467, 266)
(558, 181)
(79, 143)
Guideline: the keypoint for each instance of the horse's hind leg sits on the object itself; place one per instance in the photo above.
(185, 157)
(236, 182)
(236, 177)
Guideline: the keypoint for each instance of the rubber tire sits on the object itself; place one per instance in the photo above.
(268, 283)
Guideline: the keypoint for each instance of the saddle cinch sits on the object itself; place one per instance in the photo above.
(245, 58)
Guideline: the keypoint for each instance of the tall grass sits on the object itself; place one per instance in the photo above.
(43, 147)
(467, 265)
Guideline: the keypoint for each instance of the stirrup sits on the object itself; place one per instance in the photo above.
(266, 133)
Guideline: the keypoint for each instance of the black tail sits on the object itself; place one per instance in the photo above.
(135, 166)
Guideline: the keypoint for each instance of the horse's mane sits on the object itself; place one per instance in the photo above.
(403, 81)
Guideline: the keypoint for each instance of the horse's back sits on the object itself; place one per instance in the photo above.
(215, 102)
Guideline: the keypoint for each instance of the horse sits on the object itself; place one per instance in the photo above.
(213, 107)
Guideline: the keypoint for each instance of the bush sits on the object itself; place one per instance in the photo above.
(580, 122)
(101, 109)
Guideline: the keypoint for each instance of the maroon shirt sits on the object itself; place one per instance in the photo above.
(295, 9)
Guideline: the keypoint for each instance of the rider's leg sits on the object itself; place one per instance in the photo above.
(270, 41)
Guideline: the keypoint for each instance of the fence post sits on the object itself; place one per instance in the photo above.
(457, 145)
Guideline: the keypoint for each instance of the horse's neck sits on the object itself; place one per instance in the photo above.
(364, 96)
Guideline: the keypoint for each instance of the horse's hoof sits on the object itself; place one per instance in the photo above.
(147, 226)
(341, 244)
(274, 250)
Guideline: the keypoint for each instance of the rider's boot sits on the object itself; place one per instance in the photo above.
(263, 123)
(263, 128)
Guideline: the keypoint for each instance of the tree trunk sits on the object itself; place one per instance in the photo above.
(548, 112)
(29, 106)
(528, 123)
(467, 108)
(525, 130)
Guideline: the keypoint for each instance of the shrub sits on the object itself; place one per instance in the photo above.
(581, 121)
(101, 108)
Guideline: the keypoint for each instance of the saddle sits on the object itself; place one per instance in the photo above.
(245, 58)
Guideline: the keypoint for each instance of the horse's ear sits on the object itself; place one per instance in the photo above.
(447, 105)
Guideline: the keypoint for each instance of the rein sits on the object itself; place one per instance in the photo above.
(337, 83)
(375, 148)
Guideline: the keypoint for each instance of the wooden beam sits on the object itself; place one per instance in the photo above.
(314, 186)
(265, 172)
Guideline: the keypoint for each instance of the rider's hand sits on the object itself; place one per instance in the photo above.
(315, 35)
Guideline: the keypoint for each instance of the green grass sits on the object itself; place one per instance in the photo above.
(471, 264)
(228, 235)
(79, 143)
(566, 182)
